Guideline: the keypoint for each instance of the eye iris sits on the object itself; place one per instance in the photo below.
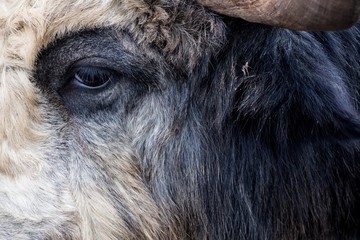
(92, 77)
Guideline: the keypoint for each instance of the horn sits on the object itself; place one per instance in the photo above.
(310, 15)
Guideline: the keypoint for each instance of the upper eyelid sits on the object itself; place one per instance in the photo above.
(129, 68)
(89, 69)
(90, 61)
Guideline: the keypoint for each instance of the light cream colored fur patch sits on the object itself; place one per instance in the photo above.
(21, 130)
(27, 26)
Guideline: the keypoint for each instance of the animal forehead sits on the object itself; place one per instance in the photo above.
(32, 25)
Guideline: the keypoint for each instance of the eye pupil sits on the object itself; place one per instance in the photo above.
(92, 77)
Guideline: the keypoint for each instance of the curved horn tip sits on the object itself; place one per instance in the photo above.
(310, 15)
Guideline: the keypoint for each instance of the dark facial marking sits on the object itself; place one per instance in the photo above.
(94, 70)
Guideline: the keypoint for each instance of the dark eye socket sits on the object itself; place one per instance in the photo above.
(90, 76)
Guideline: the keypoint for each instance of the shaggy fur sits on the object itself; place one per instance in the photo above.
(209, 127)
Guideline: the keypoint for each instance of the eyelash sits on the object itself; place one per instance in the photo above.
(91, 77)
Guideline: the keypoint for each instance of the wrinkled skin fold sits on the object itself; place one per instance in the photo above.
(162, 120)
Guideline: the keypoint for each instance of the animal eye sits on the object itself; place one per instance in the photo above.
(91, 77)
(87, 87)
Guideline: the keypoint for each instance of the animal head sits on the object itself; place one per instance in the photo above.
(143, 119)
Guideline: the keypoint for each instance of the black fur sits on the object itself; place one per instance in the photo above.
(287, 166)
